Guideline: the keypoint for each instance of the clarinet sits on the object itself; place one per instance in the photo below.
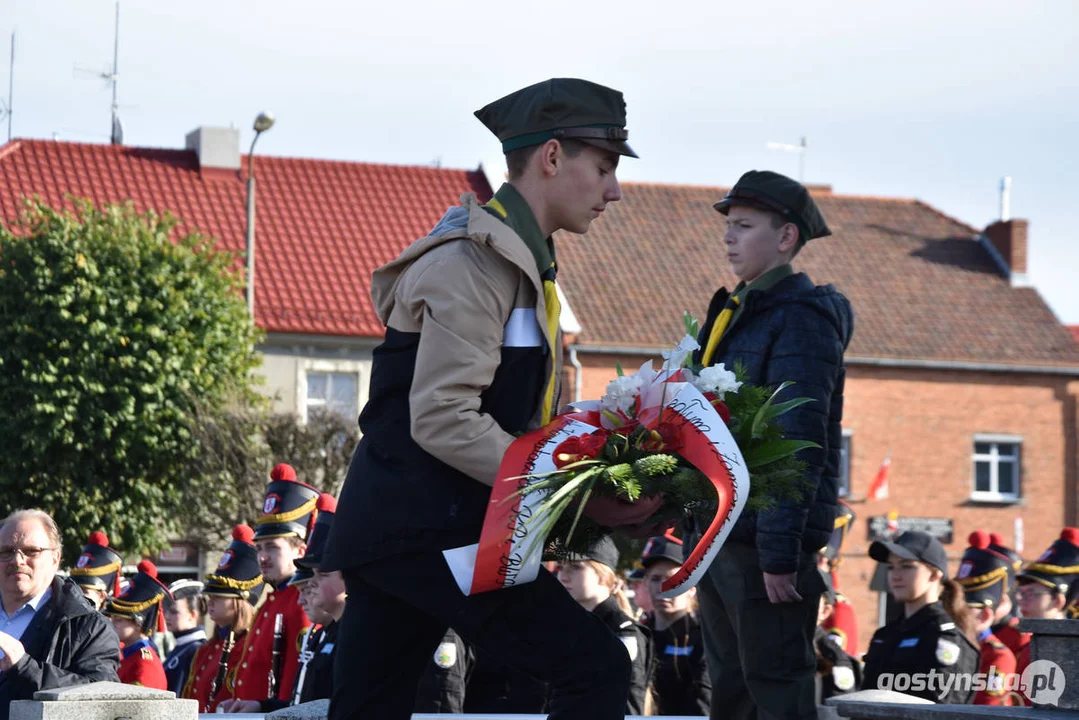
(222, 669)
(274, 679)
(305, 657)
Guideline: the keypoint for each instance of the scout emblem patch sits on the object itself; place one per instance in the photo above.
(843, 677)
(630, 641)
(226, 560)
(947, 652)
(84, 560)
(446, 655)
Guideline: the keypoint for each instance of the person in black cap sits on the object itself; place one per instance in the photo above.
(936, 633)
(838, 671)
(1048, 584)
(97, 569)
(184, 617)
(983, 574)
(473, 357)
(680, 684)
(1007, 626)
(760, 598)
(591, 579)
(136, 614)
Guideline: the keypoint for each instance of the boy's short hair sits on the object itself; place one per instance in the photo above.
(517, 160)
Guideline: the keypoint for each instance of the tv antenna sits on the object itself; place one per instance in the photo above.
(111, 75)
(7, 108)
(800, 149)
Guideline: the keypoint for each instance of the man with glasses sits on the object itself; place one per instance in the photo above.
(50, 636)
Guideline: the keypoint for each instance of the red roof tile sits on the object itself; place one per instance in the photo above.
(322, 226)
(922, 288)
(1075, 332)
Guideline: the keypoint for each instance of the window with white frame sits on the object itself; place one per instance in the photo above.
(336, 392)
(844, 464)
(996, 467)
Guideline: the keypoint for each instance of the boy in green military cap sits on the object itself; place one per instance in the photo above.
(472, 357)
(759, 600)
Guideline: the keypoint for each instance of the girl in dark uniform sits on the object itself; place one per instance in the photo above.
(591, 580)
(681, 685)
(931, 650)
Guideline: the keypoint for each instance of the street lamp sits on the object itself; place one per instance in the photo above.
(263, 122)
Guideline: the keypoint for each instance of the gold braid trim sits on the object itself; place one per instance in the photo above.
(289, 516)
(94, 572)
(232, 584)
(135, 608)
(841, 521)
(1052, 569)
(980, 582)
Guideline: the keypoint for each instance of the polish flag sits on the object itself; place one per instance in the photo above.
(879, 489)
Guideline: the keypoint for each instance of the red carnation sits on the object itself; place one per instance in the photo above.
(664, 438)
(580, 447)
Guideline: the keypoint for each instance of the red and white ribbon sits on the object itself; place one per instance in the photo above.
(509, 552)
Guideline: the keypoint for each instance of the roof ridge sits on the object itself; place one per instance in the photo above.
(10, 147)
(832, 194)
(975, 231)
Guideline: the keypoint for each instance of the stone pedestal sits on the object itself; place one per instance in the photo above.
(104, 701)
(1053, 642)
(314, 710)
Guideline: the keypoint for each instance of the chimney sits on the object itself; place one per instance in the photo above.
(218, 150)
(1006, 241)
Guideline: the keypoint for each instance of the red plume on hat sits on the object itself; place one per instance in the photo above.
(244, 533)
(325, 503)
(1070, 534)
(99, 538)
(283, 471)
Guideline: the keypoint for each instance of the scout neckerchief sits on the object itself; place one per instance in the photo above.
(512, 209)
(734, 304)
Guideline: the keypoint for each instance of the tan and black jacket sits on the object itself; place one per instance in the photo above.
(463, 369)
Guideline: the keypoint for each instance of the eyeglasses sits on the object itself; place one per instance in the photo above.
(30, 553)
(1032, 592)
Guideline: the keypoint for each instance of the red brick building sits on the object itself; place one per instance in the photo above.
(958, 371)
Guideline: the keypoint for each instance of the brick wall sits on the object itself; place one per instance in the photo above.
(926, 420)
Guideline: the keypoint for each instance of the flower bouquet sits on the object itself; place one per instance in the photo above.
(700, 440)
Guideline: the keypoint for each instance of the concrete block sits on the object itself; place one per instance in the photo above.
(1053, 642)
(104, 701)
(314, 710)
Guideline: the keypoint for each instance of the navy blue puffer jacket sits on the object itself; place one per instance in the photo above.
(793, 331)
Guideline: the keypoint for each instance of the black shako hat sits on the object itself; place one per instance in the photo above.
(316, 546)
(141, 600)
(99, 565)
(559, 108)
(237, 573)
(983, 573)
(1058, 567)
(289, 507)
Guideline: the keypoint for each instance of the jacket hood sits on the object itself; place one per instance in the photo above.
(467, 220)
(823, 299)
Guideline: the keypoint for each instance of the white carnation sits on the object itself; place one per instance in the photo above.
(621, 393)
(717, 379)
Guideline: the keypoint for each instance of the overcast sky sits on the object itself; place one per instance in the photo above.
(934, 100)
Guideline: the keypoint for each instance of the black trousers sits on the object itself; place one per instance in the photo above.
(760, 655)
(398, 610)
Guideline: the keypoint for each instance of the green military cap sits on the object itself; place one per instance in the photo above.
(771, 191)
(559, 108)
